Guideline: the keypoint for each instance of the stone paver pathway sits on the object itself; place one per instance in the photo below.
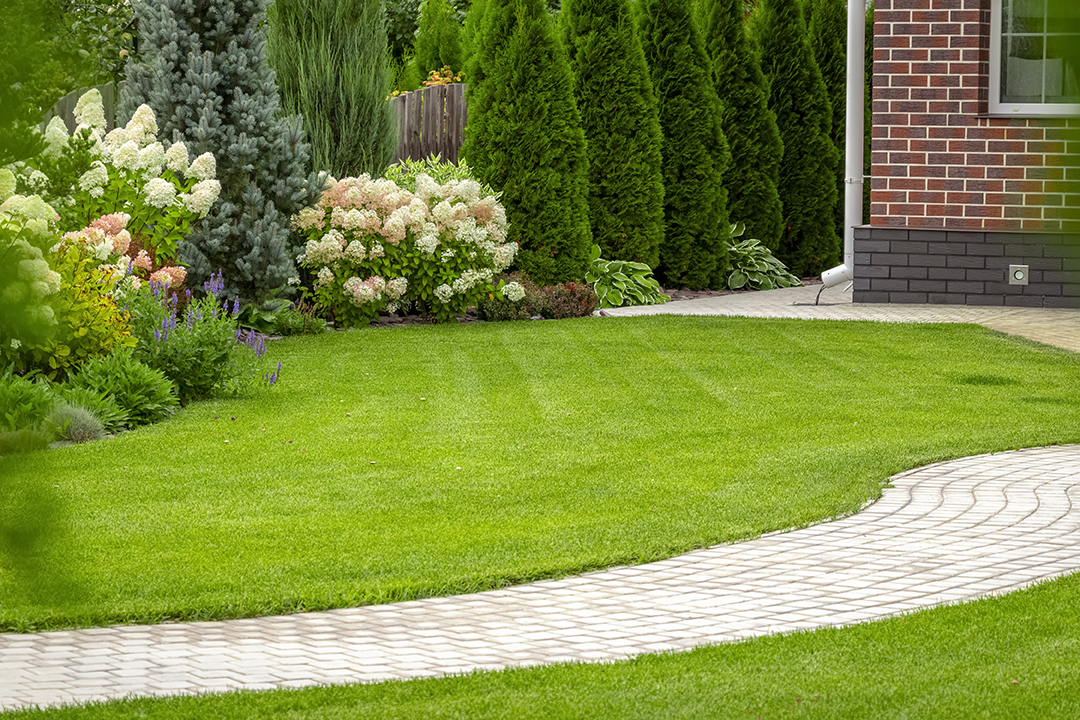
(943, 533)
(1056, 326)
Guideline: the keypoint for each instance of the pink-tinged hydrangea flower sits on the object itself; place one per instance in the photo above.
(172, 276)
(397, 287)
(143, 261)
(160, 192)
(176, 158)
(121, 241)
(111, 224)
(309, 218)
(376, 251)
(202, 196)
(483, 209)
(360, 291)
(90, 111)
(204, 167)
(355, 251)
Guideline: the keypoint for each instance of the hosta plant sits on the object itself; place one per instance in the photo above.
(374, 246)
(754, 267)
(621, 282)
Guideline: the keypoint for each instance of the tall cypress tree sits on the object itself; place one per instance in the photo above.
(524, 137)
(331, 63)
(748, 123)
(798, 96)
(828, 38)
(694, 251)
(622, 128)
(204, 73)
(438, 42)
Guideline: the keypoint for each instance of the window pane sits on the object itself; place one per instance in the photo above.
(1022, 69)
(1060, 77)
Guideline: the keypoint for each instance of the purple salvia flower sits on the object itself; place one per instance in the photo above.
(236, 306)
(157, 336)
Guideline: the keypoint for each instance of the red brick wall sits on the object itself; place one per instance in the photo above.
(937, 160)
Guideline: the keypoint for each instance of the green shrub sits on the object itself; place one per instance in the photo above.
(754, 267)
(405, 173)
(89, 322)
(299, 318)
(74, 423)
(619, 282)
(438, 39)
(103, 406)
(374, 247)
(566, 300)
(23, 404)
(23, 441)
(693, 253)
(621, 121)
(146, 395)
(501, 306)
(524, 137)
(196, 346)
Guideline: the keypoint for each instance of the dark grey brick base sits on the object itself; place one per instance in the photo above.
(898, 265)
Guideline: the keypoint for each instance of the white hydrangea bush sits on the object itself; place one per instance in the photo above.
(373, 246)
(162, 191)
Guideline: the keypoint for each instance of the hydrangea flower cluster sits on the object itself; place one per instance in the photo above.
(26, 280)
(161, 189)
(441, 246)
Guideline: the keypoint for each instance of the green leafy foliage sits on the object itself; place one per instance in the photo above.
(146, 395)
(621, 122)
(90, 324)
(524, 137)
(438, 38)
(331, 65)
(798, 96)
(694, 251)
(405, 173)
(26, 280)
(23, 404)
(620, 282)
(753, 266)
(223, 99)
(748, 124)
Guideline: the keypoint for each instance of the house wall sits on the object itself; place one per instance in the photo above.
(956, 195)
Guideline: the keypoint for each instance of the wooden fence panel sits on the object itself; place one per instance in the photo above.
(65, 106)
(431, 121)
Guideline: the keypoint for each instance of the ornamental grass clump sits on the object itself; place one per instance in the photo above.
(375, 247)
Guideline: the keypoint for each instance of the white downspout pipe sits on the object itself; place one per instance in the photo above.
(853, 140)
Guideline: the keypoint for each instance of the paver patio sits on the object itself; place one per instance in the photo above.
(943, 533)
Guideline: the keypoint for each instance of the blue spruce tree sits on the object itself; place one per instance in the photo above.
(203, 71)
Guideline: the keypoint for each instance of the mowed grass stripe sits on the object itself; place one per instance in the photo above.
(581, 443)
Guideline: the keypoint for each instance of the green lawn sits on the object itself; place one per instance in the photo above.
(1008, 657)
(409, 462)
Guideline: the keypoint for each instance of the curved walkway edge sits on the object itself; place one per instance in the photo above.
(943, 533)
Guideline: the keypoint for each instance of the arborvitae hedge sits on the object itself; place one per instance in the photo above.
(438, 43)
(524, 138)
(331, 63)
(797, 95)
(694, 251)
(748, 123)
(622, 128)
(828, 39)
(209, 84)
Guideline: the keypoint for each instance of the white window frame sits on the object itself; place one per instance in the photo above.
(1010, 109)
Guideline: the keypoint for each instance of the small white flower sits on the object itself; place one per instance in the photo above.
(15, 344)
(444, 292)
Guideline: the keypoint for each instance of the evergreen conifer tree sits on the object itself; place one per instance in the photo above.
(469, 34)
(694, 251)
(828, 38)
(748, 123)
(797, 95)
(331, 64)
(203, 72)
(438, 43)
(524, 138)
(622, 128)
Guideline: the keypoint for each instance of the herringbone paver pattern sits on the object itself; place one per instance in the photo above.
(943, 533)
